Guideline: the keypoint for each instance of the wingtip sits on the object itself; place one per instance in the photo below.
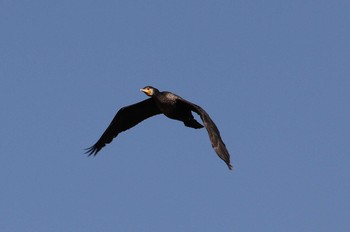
(91, 151)
(230, 167)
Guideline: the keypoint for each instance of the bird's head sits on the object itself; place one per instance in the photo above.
(149, 91)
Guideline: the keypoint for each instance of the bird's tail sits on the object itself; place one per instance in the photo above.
(193, 124)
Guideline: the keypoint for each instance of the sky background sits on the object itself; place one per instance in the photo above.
(273, 75)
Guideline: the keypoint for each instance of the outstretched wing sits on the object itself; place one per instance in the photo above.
(213, 132)
(126, 117)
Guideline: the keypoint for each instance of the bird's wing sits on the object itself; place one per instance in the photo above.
(213, 131)
(126, 117)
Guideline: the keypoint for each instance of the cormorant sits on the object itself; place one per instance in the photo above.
(172, 106)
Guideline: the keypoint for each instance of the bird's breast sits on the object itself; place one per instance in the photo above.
(169, 109)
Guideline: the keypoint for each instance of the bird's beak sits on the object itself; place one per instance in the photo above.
(146, 91)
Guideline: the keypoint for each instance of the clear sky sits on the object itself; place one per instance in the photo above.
(274, 76)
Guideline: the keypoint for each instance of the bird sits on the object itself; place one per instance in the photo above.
(173, 107)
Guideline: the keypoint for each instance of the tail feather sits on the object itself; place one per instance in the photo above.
(193, 124)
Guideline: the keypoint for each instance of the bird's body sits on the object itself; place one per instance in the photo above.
(170, 105)
(175, 108)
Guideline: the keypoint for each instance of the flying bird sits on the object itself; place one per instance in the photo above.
(172, 106)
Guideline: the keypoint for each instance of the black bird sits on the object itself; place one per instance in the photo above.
(170, 105)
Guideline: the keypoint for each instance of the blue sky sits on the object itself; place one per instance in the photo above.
(273, 75)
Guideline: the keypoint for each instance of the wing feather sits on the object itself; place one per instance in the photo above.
(126, 118)
(213, 132)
